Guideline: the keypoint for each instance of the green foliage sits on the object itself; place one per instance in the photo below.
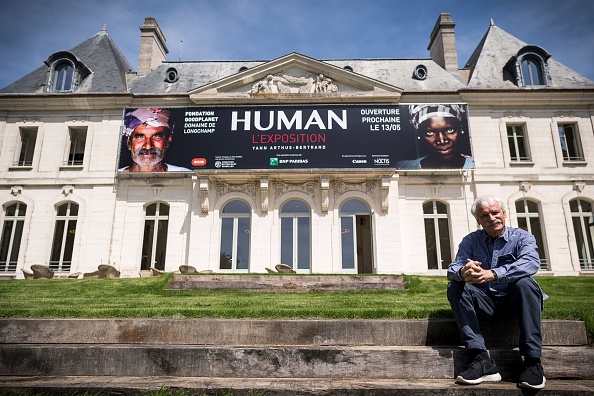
(425, 297)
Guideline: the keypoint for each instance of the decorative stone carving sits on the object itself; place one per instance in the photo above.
(204, 194)
(325, 185)
(223, 188)
(187, 269)
(157, 272)
(264, 194)
(16, 190)
(308, 188)
(27, 274)
(284, 269)
(157, 191)
(368, 187)
(30, 119)
(579, 186)
(282, 83)
(67, 190)
(42, 271)
(385, 180)
(434, 190)
(103, 271)
(510, 114)
(562, 114)
(525, 186)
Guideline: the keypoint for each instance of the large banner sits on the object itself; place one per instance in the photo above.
(423, 136)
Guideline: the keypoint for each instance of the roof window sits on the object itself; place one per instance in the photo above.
(65, 72)
(420, 72)
(529, 67)
(171, 75)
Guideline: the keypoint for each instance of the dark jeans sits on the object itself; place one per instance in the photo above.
(523, 301)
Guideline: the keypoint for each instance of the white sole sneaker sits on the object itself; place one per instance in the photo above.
(485, 378)
(526, 385)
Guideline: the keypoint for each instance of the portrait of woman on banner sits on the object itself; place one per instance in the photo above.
(442, 137)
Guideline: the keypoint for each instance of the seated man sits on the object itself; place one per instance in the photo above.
(491, 277)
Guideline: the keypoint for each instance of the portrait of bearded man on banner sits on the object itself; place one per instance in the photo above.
(148, 133)
(442, 138)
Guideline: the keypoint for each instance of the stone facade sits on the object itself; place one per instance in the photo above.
(111, 217)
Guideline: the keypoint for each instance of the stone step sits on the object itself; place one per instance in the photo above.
(287, 283)
(120, 385)
(222, 332)
(364, 362)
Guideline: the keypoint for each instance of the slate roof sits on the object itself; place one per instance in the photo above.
(100, 54)
(496, 48)
(396, 72)
(485, 67)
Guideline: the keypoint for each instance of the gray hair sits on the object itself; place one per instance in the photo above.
(486, 200)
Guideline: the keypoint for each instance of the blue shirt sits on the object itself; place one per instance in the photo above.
(512, 256)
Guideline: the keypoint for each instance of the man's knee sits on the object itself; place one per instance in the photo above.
(524, 284)
(455, 290)
(525, 288)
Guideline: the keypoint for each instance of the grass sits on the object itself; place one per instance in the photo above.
(569, 298)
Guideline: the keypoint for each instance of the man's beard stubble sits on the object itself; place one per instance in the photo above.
(156, 156)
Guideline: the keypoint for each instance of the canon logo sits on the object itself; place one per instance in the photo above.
(359, 161)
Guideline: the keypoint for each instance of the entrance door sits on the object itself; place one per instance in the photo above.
(296, 235)
(356, 237)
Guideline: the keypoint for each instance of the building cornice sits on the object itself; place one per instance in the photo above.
(16, 102)
(528, 97)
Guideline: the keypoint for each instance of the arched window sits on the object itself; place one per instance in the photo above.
(532, 71)
(355, 237)
(12, 233)
(64, 234)
(235, 236)
(63, 73)
(529, 66)
(529, 220)
(154, 242)
(296, 235)
(66, 72)
(583, 226)
(437, 235)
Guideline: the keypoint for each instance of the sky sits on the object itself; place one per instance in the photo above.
(32, 30)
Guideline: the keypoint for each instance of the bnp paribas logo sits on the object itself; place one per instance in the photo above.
(273, 161)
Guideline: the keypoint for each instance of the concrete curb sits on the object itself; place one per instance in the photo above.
(271, 332)
(281, 386)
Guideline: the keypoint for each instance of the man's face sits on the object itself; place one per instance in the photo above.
(148, 144)
(440, 134)
(492, 219)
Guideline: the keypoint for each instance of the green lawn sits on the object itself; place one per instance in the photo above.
(569, 298)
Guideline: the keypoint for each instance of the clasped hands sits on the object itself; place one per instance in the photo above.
(473, 273)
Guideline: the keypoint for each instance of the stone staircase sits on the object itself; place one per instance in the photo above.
(281, 357)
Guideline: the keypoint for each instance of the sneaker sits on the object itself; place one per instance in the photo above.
(480, 370)
(532, 376)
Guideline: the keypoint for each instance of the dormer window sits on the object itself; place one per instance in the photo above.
(171, 75)
(529, 67)
(65, 72)
(532, 71)
(63, 77)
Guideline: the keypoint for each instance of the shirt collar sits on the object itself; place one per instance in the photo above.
(505, 235)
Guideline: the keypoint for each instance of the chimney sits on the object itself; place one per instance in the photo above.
(442, 46)
(153, 49)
